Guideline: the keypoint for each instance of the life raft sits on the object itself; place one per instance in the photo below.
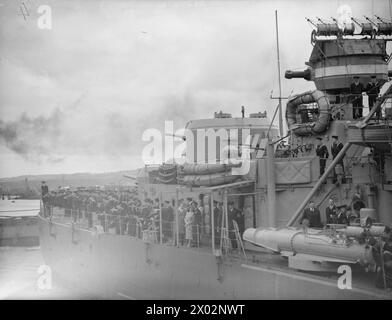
(167, 174)
(208, 180)
(201, 169)
(309, 128)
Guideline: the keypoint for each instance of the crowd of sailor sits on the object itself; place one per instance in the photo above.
(121, 212)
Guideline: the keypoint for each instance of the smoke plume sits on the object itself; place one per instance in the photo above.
(33, 138)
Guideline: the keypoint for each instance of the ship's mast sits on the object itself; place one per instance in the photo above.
(390, 9)
(280, 84)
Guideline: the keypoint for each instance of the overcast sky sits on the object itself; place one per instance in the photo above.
(78, 97)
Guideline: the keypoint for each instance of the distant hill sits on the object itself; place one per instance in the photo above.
(30, 185)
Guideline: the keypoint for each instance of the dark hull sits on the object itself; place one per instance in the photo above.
(118, 267)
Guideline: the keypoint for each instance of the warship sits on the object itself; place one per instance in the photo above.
(277, 254)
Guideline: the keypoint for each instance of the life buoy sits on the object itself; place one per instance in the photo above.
(309, 128)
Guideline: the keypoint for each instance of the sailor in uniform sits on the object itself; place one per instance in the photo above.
(331, 212)
(233, 214)
(342, 215)
(356, 92)
(312, 216)
(322, 153)
(373, 90)
(335, 149)
(45, 196)
(217, 221)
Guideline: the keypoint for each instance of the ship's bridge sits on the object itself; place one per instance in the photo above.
(223, 137)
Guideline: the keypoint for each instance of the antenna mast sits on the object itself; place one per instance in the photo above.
(390, 10)
(280, 84)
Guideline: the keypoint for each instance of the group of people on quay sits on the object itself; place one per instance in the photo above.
(120, 211)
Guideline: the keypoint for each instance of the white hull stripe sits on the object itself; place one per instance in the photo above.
(350, 70)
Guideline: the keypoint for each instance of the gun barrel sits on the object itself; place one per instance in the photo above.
(304, 74)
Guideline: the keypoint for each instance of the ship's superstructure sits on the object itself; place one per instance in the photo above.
(282, 175)
(361, 171)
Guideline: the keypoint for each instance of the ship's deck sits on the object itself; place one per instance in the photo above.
(362, 281)
(266, 261)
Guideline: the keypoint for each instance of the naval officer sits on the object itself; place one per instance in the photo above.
(336, 146)
(233, 214)
(312, 216)
(356, 89)
(322, 153)
(373, 90)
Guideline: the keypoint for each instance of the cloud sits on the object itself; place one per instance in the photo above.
(88, 88)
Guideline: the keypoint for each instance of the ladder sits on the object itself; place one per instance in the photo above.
(238, 239)
(225, 241)
(226, 246)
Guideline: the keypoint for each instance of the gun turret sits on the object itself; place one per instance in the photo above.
(340, 53)
(304, 74)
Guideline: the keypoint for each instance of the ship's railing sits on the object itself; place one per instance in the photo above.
(375, 160)
(351, 97)
(195, 235)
